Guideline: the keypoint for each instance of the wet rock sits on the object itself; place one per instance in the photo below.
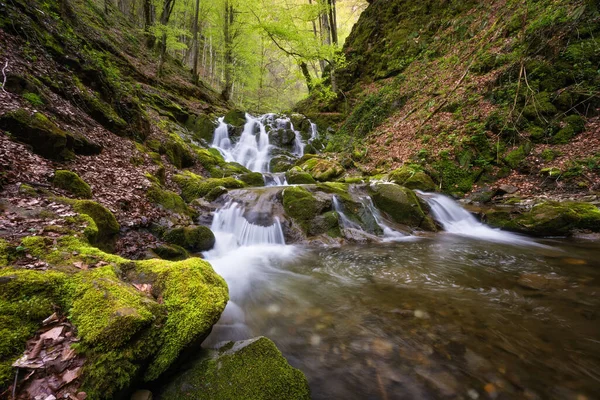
(402, 205)
(483, 195)
(296, 176)
(282, 163)
(542, 282)
(412, 178)
(507, 189)
(198, 238)
(249, 369)
(202, 127)
(235, 118)
(321, 169)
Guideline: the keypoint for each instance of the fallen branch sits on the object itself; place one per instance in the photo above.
(4, 75)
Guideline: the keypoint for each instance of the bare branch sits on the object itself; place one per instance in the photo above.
(4, 75)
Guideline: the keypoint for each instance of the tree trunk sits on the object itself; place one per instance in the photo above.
(333, 22)
(148, 22)
(228, 59)
(307, 76)
(164, 20)
(195, 45)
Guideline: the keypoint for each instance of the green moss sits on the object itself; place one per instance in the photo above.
(216, 166)
(202, 126)
(27, 190)
(170, 201)
(194, 297)
(197, 238)
(26, 298)
(72, 183)
(517, 156)
(105, 221)
(454, 178)
(252, 370)
(296, 176)
(33, 99)
(549, 154)
(38, 131)
(402, 205)
(552, 172)
(252, 179)
(177, 151)
(215, 193)
(300, 205)
(549, 219)
(194, 186)
(235, 118)
(412, 177)
(171, 252)
(321, 169)
(564, 135)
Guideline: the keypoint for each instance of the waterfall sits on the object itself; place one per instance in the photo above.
(346, 222)
(389, 235)
(298, 143)
(251, 150)
(275, 179)
(455, 219)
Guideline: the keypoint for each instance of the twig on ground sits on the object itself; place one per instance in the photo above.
(4, 75)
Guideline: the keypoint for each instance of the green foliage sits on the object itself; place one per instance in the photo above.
(33, 99)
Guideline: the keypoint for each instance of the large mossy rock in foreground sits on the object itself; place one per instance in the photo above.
(402, 205)
(133, 318)
(196, 238)
(72, 183)
(252, 369)
(548, 219)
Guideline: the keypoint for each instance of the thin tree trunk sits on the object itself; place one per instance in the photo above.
(307, 76)
(164, 20)
(148, 22)
(195, 38)
(228, 57)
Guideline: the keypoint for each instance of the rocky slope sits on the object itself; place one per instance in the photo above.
(475, 93)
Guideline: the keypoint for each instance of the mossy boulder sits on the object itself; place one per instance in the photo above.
(548, 219)
(202, 127)
(36, 130)
(178, 152)
(281, 163)
(252, 179)
(235, 118)
(194, 186)
(125, 333)
(170, 201)
(72, 183)
(170, 252)
(252, 369)
(216, 166)
(321, 169)
(301, 205)
(402, 205)
(412, 178)
(197, 238)
(104, 220)
(296, 176)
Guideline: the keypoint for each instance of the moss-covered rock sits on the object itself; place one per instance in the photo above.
(125, 333)
(194, 186)
(36, 130)
(235, 118)
(253, 369)
(281, 163)
(178, 152)
(548, 219)
(301, 205)
(296, 176)
(215, 193)
(412, 178)
(202, 127)
(106, 223)
(170, 252)
(216, 166)
(170, 201)
(321, 169)
(252, 179)
(197, 238)
(72, 183)
(402, 205)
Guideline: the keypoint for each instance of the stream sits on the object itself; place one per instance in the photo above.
(469, 313)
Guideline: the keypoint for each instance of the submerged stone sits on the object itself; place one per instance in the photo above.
(252, 369)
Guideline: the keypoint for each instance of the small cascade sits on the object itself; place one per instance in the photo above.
(389, 235)
(234, 230)
(455, 219)
(298, 143)
(313, 132)
(346, 222)
(251, 150)
(275, 179)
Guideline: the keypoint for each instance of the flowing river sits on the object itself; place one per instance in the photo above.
(468, 313)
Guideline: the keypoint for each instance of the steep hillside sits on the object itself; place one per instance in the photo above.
(82, 94)
(474, 93)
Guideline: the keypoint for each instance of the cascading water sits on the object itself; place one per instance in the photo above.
(455, 219)
(389, 234)
(345, 221)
